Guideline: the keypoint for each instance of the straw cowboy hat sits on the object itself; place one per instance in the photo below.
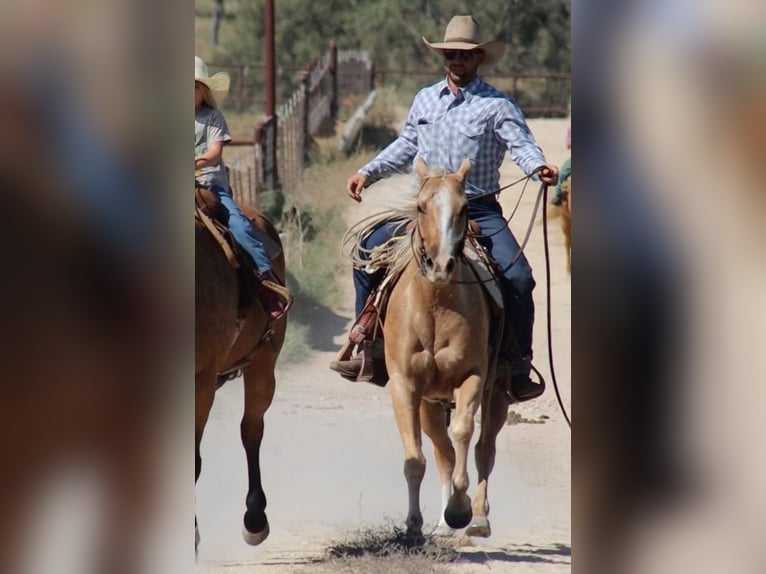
(218, 84)
(464, 33)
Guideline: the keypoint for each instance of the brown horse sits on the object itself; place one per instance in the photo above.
(566, 220)
(222, 343)
(437, 350)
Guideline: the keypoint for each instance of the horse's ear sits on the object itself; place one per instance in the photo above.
(465, 167)
(421, 168)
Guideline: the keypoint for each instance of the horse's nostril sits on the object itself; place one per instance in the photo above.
(429, 262)
(450, 267)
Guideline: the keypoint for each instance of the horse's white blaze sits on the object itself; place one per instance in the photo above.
(447, 234)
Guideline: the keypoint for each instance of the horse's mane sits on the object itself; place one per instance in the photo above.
(396, 253)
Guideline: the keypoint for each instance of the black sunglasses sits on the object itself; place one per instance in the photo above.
(463, 55)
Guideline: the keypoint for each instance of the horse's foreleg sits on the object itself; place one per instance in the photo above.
(468, 397)
(493, 418)
(204, 393)
(259, 392)
(434, 419)
(406, 409)
(129, 465)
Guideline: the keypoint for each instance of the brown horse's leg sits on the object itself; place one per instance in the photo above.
(203, 401)
(434, 421)
(129, 463)
(492, 421)
(16, 498)
(467, 400)
(259, 392)
(405, 400)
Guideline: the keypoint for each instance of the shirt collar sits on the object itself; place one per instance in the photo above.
(468, 91)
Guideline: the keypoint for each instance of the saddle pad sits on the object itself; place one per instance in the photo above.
(484, 274)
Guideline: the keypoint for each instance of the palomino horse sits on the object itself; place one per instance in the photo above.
(222, 343)
(566, 221)
(437, 344)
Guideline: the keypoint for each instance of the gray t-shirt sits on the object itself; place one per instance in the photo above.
(209, 127)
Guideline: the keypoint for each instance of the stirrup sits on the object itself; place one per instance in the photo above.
(533, 390)
(367, 366)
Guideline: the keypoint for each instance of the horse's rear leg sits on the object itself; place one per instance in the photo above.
(204, 393)
(434, 419)
(259, 391)
(406, 409)
(492, 423)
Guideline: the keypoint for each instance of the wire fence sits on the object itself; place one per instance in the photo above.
(281, 144)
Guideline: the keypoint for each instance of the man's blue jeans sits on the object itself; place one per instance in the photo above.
(241, 228)
(502, 246)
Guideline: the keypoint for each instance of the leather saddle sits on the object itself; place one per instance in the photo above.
(210, 213)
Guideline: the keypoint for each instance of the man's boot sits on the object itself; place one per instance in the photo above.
(368, 364)
(519, 386)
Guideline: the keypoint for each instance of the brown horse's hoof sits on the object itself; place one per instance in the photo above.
(255, 538)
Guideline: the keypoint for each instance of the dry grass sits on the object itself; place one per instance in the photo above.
(388, 549)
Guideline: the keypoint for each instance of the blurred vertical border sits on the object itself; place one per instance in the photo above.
(96, 297)
(669, 104)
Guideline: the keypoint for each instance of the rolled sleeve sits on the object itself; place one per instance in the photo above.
(397, 156)
(511, 129)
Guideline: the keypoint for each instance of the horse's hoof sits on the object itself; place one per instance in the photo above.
(255, 538)
(458, 520)
(479, 528)
(414, 537)
(444, 531)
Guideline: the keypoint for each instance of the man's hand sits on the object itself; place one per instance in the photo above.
(549, 174)
(354, 186)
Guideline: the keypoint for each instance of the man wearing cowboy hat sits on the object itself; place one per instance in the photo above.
(463, 116)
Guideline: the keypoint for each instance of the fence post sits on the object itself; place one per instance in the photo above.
(272, 176)
(241, 88)
(265, 138)
(258, 162)
(305, 111)
(372, 76)
(333, 82)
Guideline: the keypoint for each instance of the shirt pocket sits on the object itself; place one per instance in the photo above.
(468, 141)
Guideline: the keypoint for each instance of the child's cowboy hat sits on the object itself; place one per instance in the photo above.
(463, 33)
(217, 83)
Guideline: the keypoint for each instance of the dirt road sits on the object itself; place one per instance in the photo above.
(332, 457)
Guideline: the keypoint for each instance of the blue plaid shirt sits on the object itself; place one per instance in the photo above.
(479, 123)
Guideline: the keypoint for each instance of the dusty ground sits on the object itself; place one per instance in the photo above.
(332, 457)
